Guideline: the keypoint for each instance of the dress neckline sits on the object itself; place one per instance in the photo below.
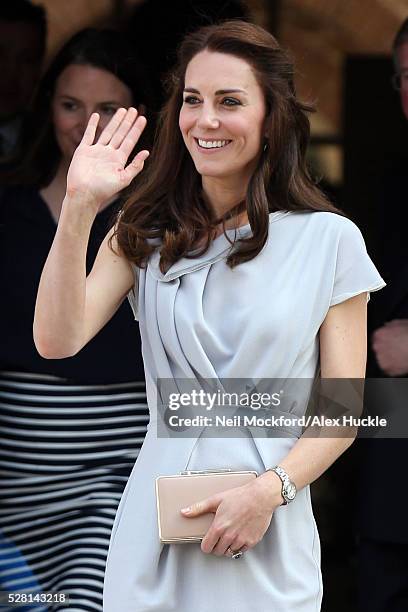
(218, 249)
(273, 216)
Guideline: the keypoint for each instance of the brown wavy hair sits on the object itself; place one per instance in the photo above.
(166, 208)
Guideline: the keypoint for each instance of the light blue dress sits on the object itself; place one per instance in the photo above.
(261, 320)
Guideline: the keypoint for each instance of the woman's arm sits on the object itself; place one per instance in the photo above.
(243, 514)
(70, 307)
(343, 351)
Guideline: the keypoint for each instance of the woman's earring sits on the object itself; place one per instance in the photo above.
(265, 145)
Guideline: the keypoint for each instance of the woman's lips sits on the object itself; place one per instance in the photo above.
(203, 149)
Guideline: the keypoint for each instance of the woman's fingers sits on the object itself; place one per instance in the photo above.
(112, 126)
(236, 546)
(135, 166)
(226, 547)
(122, 132)
(89, 134)
(221, 547)
(210, 540)
(133, 135)
(123, 128)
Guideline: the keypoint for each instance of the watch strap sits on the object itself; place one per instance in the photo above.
(286, 481)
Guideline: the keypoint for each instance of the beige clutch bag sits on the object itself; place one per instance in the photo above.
(186, 488)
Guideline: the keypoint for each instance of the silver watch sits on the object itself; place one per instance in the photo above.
(288, 491)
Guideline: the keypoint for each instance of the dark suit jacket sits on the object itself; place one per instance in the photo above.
(382, 473)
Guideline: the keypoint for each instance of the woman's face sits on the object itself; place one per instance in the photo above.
(80, 91)
(222, 116)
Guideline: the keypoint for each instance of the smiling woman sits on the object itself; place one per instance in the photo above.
(80, 91)
(232, 117)
(83, 78)
(279, 293)
(222, 124)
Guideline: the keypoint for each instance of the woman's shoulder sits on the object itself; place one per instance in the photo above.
(324, 221)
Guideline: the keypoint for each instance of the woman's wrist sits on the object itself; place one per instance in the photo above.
(83, 199)
(270, 488)
(78, 211)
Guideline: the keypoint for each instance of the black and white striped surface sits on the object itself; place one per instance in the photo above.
(66, 452)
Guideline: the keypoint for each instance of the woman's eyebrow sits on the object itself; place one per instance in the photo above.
(113, 102)
(219, 92)
(63, 95)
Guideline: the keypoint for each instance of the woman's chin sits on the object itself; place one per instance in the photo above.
(211, 170)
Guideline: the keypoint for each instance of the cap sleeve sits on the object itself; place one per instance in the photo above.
(133, 295)
(355, 272)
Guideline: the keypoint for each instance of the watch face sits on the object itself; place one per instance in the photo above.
(290, 491)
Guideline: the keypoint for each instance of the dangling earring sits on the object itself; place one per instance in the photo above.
(265, 145)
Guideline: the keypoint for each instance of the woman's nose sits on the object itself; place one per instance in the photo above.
(207, 117)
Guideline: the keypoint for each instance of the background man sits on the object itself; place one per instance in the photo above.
(382, 485)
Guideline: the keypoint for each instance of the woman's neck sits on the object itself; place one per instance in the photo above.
(223, 196)
(53, 194)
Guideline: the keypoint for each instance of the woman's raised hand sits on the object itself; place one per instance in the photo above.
(98, 169)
